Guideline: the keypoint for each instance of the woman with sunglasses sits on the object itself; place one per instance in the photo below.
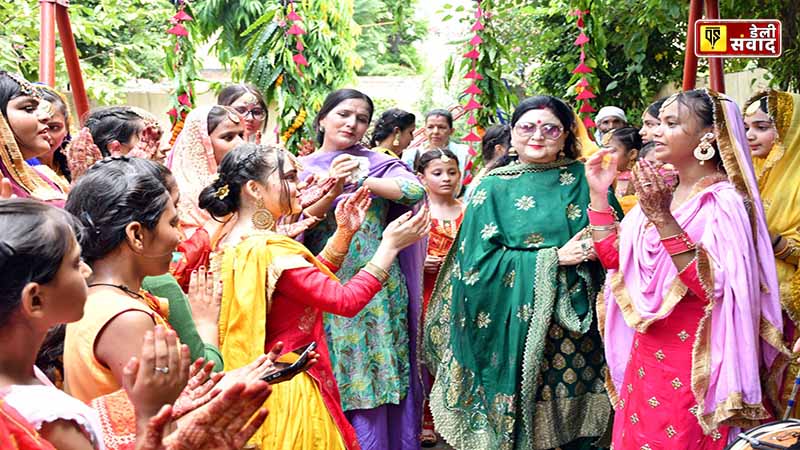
(248, 102)
(527, 371)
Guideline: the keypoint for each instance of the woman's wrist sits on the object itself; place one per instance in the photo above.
(599, 202)
(384, 255)
(209, 333)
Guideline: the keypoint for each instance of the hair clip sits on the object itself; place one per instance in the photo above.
(6, 250)
(444, 158)
(670, 100)
(222, 192)
(215, 177)
(88, 219)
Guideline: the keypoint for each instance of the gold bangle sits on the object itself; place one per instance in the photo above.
(610, 211)
(332, 256)
(377, 272)
(784, 251)
(611, 227)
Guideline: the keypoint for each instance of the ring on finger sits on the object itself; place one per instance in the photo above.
(164, 370)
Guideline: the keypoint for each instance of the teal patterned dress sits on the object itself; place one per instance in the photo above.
(370, 352)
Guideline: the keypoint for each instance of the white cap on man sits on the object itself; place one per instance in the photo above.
(610, 111)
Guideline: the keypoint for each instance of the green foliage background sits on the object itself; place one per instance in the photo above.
(118, 40)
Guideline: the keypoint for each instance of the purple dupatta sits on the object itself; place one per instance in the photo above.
(409, 416)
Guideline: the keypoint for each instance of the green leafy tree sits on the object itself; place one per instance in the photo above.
(230, 19)
(115, 40)
(389, 32)
(329, 47)
(636, 47)
(784, 70)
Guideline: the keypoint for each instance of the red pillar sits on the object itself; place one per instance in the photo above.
(717, 79)
(47, 42)
(71, 59)
(690, 60)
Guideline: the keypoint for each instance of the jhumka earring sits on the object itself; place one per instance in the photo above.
(705, 150)
(396, 140)
(262, 218)
(513, 155)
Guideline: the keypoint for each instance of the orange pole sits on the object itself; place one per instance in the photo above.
(47, 42)
(717, 79)
(72, 60)
(690, 59)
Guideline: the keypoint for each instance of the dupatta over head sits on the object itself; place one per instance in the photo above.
(25, 180)
(193, 164)
(740, 332)
(779, 186)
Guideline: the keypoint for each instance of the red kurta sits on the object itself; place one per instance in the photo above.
(656, 404)
(16, 433)
(443, 233)
(300, 298)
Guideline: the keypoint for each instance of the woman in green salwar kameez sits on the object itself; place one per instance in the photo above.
(510, 332)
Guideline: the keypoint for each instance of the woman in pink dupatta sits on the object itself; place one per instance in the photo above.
(208, 134)
(691, 314)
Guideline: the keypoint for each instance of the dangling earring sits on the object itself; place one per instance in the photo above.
(513, 155)
(561, 154)
(705, 150)
(262, 218)
(396, 141)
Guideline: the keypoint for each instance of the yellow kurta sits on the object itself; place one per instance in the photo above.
(779, 184)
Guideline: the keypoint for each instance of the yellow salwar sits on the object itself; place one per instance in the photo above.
(298, 418)
(779, 183)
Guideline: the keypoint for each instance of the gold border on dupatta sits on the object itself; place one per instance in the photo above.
(733, 410)
(677, 290)
(18, 169)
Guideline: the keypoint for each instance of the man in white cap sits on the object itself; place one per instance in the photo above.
(607, 119)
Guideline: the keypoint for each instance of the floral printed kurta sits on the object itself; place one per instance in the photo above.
(370, 352)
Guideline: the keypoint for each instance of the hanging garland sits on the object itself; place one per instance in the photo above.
(296, 31)
(181, 67)
(583, 88)
(488, 96)
(297, 53)
(300, 61)
(473, 106)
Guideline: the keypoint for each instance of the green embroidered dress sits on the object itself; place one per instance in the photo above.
(510, 334)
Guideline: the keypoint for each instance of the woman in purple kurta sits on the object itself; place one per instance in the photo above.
(374, 353)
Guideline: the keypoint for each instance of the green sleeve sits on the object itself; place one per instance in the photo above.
(413, 191)
(614, 203)
(180, 318)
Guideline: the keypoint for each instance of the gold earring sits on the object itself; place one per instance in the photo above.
(704, 150)
(262, 218)
(396, 141)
